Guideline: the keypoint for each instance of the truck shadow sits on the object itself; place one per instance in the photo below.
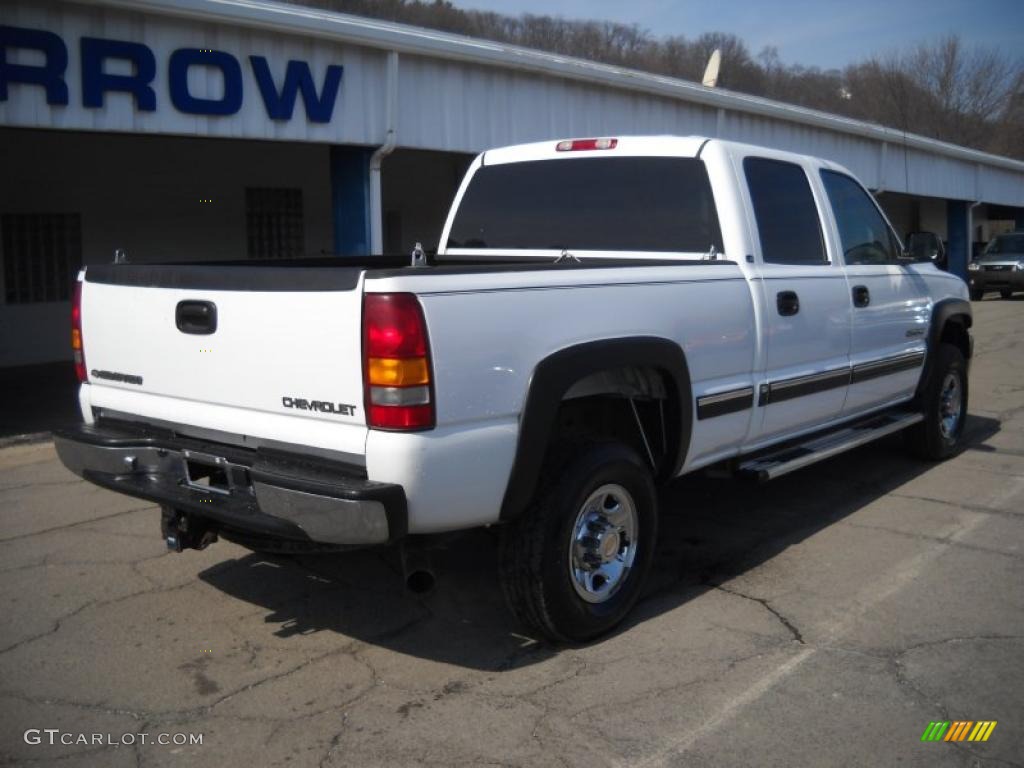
(711, 531)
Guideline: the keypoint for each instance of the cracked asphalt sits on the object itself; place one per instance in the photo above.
(823, 619)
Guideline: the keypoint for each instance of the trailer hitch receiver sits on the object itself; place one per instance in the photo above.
(181, 531)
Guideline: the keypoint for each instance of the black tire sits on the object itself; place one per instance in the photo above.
(535, 556)
(1006, 293)
(977, 294)
(928, 439)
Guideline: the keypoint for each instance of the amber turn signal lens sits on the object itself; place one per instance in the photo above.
(391, 372)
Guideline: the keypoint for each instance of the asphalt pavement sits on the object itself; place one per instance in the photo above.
(824, 619)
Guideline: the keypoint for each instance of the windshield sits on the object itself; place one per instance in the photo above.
(659, 204)
(1005, 244)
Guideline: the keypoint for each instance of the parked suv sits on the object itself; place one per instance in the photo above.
(999, 268)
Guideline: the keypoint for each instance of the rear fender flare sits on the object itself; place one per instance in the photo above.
(553, 377)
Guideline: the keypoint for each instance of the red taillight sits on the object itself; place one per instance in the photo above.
(577, 145)
(77, 345)
(396, 363)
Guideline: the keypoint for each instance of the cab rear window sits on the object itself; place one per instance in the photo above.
(655, 204)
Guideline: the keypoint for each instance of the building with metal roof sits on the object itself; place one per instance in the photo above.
(216, 129)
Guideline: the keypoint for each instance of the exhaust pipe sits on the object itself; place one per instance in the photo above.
(417, 570)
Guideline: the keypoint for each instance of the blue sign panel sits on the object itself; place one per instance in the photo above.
(278, 101)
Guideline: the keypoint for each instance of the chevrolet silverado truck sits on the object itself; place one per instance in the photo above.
(601, 316)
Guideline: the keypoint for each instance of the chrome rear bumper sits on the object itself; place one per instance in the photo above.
(251, 492)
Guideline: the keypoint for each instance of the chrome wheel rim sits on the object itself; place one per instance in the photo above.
(603, 544)
(950, 405)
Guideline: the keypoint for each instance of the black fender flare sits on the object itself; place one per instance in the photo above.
(943, 312)
(553, 377)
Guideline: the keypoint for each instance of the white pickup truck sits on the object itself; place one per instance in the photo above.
(601, 316)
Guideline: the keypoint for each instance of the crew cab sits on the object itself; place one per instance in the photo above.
(601, 316)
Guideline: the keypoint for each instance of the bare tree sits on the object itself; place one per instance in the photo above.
(969, 96)
(944, 90)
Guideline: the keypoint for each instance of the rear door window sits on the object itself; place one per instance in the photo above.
(654, 204)
(787, 218)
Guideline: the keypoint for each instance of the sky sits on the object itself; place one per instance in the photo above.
(820, 33)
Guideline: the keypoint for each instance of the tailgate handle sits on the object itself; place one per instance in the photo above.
(198, 317)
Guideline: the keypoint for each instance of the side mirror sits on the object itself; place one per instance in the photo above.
(925, 247)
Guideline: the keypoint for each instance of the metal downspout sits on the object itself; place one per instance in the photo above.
(385, 149)
(970, 230)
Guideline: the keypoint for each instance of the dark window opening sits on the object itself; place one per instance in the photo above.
(393, 232)
(273, 221)
(787, 218)
(658, 204)
(42, 252)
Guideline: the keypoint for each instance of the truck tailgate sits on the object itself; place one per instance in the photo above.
(286, 345)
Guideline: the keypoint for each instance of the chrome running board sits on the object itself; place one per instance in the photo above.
(783, 461)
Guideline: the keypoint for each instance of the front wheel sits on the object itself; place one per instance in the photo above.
(573, 565)
(944, 406)
(977, 294)
(1006, 293)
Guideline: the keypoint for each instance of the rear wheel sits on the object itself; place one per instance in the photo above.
(944, 403)
(573, 565)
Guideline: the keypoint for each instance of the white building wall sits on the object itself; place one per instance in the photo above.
(462, 107)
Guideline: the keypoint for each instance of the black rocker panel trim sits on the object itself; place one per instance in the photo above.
(801, 386)
(879, 368)
(722, 403)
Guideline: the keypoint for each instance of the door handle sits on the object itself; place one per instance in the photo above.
(197, 317)
(787, 302)
(861, 296)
